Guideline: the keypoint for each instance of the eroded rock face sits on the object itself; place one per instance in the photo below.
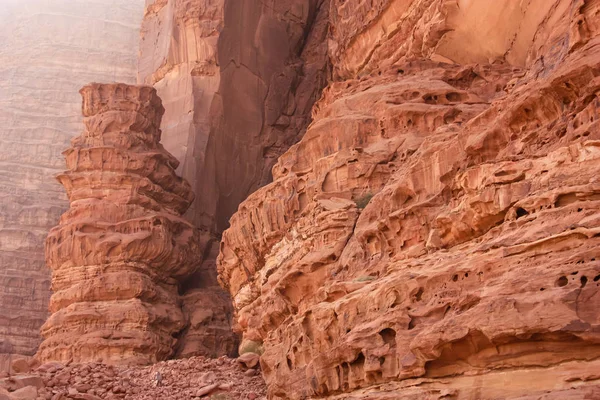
(273, 61)
(122, 248)
(178, 56)
(49, 49)
(238, 80)
(439, 219)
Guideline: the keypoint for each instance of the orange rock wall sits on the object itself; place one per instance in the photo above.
(238, 80)
(178, 56)
(435, 232)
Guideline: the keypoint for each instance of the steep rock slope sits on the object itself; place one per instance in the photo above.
(178, 56)
(122, 249)
(49, 49)
(435, 232)
(238, 80)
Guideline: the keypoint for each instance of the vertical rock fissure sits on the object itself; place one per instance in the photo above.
(252, 72)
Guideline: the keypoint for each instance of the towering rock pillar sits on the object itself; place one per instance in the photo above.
(121, 250)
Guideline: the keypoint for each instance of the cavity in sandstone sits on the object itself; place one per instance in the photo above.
(121, 250)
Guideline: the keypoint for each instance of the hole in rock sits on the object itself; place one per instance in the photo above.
(344, 379)
(562, 281)
(359, 362)
(542, 289)
(454, 278)
(597, 278)
(583, 280)
(419, 294)
(453, 96)
(400, 71)
(411, 324)
(521, 212)
(289, 363)
(389, 336)
(428, 99)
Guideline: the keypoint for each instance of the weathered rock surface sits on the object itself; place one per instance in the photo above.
(238, 80)
(49, 49)
(122, 249)
(273, 61)
(178, 55)
(435, 233)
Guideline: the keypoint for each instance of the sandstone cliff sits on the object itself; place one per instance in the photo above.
(238, 80)
(122, 249)
(435, 232)
(49, 49)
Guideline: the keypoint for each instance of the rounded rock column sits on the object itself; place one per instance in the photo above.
(119, 253)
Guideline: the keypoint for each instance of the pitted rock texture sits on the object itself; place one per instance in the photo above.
(238, 80)
(49, 49)
(122, 249)
(435, 233)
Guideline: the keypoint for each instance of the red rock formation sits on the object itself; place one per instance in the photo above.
(122, 248)
(273, 62)
(435, 232)
(238, 81)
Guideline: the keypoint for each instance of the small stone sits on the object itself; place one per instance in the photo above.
(83, 387)
(20, 366)
(206, 390)
(26, 393)
(250, 360)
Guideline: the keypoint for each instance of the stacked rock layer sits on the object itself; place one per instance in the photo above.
(121, 250)
(435, 233)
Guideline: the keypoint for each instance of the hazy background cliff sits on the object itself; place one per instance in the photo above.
(48, 50)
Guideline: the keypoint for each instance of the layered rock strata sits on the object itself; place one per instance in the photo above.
(49, 49)
(238, 80)
(122, 249)
(435, 232)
